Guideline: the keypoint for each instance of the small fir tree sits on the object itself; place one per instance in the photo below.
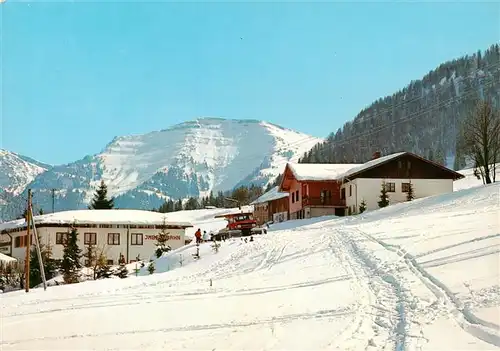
(70, 264)
(122, 271)
(49, 265)
(384, 197)
(362, 206)
(100, 200)
(151, 267)
(161, 241)
(102, 269)
(410, 195)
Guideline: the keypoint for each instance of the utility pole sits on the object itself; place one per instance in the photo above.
(38, 251)
(28, 245)
(53, 200)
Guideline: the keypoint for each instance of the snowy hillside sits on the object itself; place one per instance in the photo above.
(471, 180)
(188, 159)
(414, 276)
(16, 172)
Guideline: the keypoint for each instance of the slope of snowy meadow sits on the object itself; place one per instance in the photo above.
(415, 276)
(471, 180)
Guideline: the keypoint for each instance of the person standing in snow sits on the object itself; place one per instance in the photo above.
(198, 236)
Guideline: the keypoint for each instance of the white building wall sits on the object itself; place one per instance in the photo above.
(112, 252)
(369, 190)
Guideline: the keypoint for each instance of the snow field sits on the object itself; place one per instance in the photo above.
(414, 276)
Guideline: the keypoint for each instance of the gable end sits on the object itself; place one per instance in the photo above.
(408, 166)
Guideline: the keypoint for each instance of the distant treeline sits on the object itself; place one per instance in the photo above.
(243, 194)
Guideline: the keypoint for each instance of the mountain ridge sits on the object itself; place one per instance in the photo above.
(191, 158)
(424, 117)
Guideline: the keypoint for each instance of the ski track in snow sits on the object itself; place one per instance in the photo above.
(484, 330)
(329, 285)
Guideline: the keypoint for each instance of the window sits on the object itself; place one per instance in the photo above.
(390, 187)
(297, 195)
(87, 263)
(293, 197)
(90, 238)
(109, 262)
(136, 239)
(326, 194)
(21, 241)
(61, 238)
(405, 187)
(342, 193)
(350, 190)
(113, 238)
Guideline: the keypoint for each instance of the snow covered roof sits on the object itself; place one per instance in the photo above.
(231, 211)
(273, 194)
(384, 159)
(370, 164)
(5, 258)
(115, 216)
(319, 171)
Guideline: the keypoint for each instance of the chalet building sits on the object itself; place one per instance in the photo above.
(314, 189)
(398, 171)
(130, 233)
(271, 206)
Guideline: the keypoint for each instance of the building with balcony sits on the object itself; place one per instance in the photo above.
(314, 189)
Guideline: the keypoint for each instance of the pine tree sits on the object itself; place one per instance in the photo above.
(122, 271)
(100, 200)
(439, 157)
(49, 265)
(410, 194)
(102, 269)
(151, 267)
(161, 242)
(384, 197)
(362, 206)
(192, 204)
(70, 264)
(178, 205)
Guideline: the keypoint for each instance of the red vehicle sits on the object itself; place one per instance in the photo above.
(239, 224)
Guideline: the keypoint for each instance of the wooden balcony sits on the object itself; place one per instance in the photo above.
(323, 202)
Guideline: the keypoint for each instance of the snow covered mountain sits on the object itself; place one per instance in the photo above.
(16, 172)
(188, 159)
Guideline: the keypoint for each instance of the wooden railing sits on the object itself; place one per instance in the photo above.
(322, 201)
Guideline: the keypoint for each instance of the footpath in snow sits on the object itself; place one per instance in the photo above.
(416, 276)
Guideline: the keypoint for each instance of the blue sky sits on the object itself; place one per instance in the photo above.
(77, 74)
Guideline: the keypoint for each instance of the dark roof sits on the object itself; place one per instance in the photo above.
(356, 171)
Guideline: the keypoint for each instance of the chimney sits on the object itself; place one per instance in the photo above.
(376, 155)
